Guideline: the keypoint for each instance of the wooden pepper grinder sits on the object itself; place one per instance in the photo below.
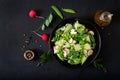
(103, 18)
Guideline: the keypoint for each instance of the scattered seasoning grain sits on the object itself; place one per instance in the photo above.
(40, 45)
(24, 35)
(27, 39)
(109, 34)
(23, 46)
(36, 41)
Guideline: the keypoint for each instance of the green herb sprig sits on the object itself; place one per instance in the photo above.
(98, 65)
(46, 23)
(49, 19)
(43, 58)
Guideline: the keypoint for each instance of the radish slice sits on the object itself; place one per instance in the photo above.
(71, 41)
(73, 31)
(88, 52)
(56, 48)
(65, 52)
(91, 32)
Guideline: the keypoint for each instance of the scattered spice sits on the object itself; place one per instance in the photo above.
(36, 41)
(27, 39)
(24, 35)
(109, 34)
(40, 45)
(23, 46)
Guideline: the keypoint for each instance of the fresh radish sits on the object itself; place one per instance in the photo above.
(33, 14)
(43, 36)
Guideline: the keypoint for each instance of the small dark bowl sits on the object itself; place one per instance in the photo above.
(88, 25)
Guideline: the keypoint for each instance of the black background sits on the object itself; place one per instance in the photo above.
(14, 22)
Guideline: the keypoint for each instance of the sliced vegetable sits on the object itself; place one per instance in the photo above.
(84, 58)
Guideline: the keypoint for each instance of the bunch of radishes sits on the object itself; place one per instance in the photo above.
(33, 14)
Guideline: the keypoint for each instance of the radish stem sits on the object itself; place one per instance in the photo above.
(37, 33)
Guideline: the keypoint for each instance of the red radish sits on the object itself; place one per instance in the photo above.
(43, 36)
(33, 14)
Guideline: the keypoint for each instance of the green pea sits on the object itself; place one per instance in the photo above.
(69, 10)
(57, 11)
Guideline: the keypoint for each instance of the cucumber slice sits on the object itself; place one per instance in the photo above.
(60, 57)
(84, 58)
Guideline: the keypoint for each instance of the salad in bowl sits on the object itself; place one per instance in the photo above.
(74, 42)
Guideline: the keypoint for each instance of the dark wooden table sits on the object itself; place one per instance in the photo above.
(14, 22)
